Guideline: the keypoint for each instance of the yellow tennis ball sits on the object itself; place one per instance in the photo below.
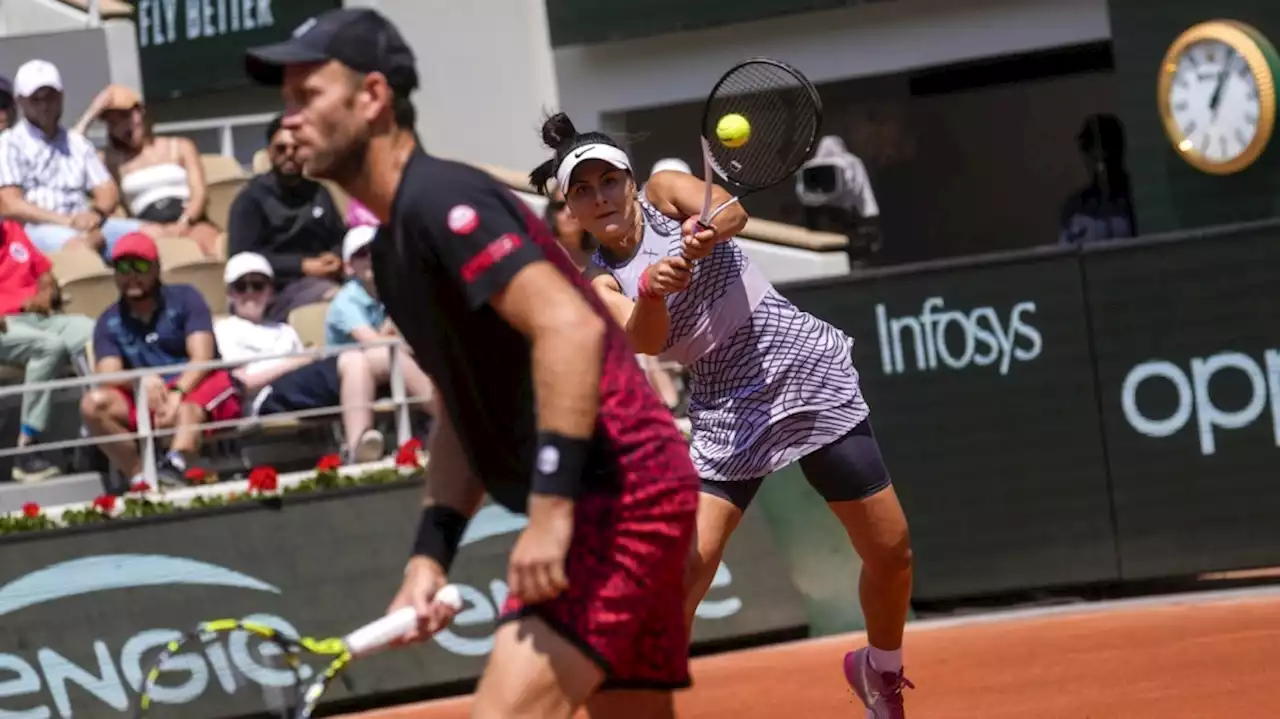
(733, 130)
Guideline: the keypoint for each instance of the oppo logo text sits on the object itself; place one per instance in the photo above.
(1194, 400)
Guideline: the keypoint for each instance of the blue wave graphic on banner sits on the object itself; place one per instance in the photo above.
(118, 571)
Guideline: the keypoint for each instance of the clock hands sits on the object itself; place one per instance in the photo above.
(1222, 81)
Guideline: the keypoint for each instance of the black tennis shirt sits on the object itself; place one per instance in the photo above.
(455, 238)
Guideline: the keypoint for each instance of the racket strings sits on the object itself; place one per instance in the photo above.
(784, 114)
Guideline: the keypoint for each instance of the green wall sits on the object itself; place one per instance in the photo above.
(1169, 194)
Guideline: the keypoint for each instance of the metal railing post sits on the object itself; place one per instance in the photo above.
(142, 407)
(95, 13)
(404, 431)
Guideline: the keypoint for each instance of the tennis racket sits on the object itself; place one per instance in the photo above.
(783, 112)
(280, 657)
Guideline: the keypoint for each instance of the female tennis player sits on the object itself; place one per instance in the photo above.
(770, 384)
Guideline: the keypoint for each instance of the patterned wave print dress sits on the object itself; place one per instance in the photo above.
(768, 382)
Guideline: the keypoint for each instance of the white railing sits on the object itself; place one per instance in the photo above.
(148, 434)
(95, 13)
(224, 126)
(399, 401)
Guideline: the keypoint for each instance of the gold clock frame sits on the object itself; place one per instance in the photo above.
(1253, 47)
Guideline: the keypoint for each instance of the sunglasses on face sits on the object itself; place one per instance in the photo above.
(132, 266)
(243, 286)
(282, 149)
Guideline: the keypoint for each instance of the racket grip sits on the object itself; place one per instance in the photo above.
(381, 632)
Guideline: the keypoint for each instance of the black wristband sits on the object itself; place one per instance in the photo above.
(558, 464)
(439, 534)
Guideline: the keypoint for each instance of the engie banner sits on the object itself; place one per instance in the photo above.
(82, 612)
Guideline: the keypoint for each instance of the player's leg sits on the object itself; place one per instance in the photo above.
(851, 476)
(720, 509)
(623, 608)
(632, 704)
(534, 672)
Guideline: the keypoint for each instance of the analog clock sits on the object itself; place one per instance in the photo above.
(1217, 95)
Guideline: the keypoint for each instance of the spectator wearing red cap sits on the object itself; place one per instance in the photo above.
(156, 325)
(35, 337)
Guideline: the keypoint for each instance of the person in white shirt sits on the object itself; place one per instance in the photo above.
(52, 180)
(296, 383)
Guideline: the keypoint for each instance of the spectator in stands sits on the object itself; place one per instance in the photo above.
(161, 178)
(293, 222)
(35, 337)
(299, 383)
(1103, 209)
(46, 173)
(357, 316)
(156, 325)
(576, 241)
(8, 111)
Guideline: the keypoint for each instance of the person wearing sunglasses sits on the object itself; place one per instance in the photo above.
(296, 383)
(156, 325)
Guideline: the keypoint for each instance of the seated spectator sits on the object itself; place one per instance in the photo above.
(34, 336)
(358, 214)
(161, 178)
(576, 241)
(156, 325)
(293, 222)
(293, 384)
(46, 173)
(8, 111)
(355, 315)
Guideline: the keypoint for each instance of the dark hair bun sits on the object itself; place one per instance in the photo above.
(557, 130)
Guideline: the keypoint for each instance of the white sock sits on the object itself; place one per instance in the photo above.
(884, 660)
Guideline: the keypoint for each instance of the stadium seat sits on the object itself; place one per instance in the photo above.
(74, 264)
(178, 251)
(340, 198)
(220, 167)
(205, 276)
(261, 162)
(89, 295)
(220, 196)
(308, 320)
(223, 244)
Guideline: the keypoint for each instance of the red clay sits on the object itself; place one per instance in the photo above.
(1213, 660)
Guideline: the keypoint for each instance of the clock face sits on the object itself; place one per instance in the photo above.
(1214, 101)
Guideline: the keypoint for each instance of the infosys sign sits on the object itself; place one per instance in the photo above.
(77, 635)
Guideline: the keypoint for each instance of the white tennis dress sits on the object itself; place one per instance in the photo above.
(768, 383)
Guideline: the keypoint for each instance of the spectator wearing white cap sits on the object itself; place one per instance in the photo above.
(357, 316)
(52, 180)
(278, 384)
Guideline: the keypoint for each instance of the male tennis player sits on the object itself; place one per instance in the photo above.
(545, 406)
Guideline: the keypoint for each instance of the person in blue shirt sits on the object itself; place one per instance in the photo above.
(156, 325)
(357, 316)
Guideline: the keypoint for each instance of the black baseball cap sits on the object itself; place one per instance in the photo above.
(360, 38)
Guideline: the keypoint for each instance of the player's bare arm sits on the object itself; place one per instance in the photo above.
(451, 495)
(567, 341)
(647, 321)
(679, 195)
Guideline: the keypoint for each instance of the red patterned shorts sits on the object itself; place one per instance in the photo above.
(624, 607)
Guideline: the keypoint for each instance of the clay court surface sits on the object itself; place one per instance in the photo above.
(1209, 657)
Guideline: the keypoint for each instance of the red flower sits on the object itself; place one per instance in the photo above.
(196, 475)
(407, 455)
(31, 509)
(105, 503)
(139, 488)
(329, 463)
(263, 479)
